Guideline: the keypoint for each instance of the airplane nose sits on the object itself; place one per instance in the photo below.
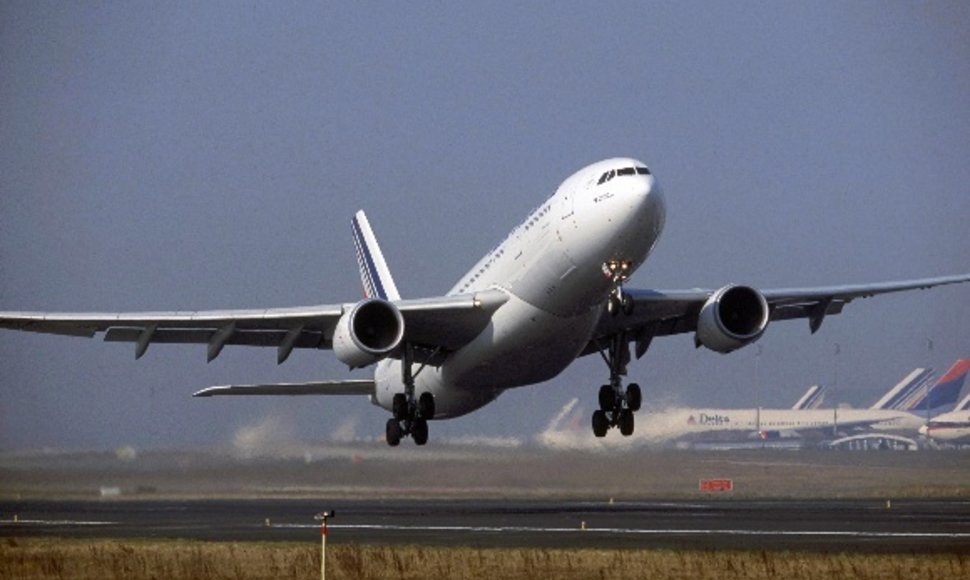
(923, 430)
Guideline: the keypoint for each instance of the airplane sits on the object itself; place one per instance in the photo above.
(552, 291)
(954, 426)
(892, 413)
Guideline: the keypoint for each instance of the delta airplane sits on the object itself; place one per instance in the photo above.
(552, 291)
(952, 427)
(892, 413)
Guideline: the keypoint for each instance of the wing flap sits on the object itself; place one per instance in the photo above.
(305, 339)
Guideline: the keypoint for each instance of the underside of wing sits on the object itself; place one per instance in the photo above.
(285, 328)
(350, 387)
(433, 325)
(733, 316)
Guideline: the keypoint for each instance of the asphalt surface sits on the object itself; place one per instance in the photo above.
(852, 525)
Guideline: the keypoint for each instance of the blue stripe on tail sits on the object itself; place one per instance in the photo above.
(369, 275)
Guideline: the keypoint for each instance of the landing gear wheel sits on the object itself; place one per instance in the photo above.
(393, 433)
(626, 422)
(399, 407)
(634, 398)
(607, 398)
(600, 423)
(613, 306)
(426, 406)
(419, 431)
(627, 304)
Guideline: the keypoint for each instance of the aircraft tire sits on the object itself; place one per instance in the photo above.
(600, 423)
(392, 432)
(634, 397)
(626, 422)
(426, 406)
(399, 407)
(607, 398)
(613, 306)
(627, 305)
(419, 431)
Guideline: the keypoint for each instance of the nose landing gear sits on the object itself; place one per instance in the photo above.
(617, 404)
(618, 271)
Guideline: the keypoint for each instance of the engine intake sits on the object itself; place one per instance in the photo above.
(368, 332)
(732, 317)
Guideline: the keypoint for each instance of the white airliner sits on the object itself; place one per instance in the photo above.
(893, 413)
(952, 427)
(552, 291)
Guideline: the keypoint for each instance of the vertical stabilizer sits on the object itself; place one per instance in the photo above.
(812, 398)
(964, 404)
(904, 389)
(946, 391)
(374, 273)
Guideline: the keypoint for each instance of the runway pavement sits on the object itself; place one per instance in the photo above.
(851, 525)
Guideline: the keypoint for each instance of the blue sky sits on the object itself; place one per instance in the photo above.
(158, 156)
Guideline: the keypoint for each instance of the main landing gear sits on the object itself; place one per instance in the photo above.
(411, 414)
(617, 404)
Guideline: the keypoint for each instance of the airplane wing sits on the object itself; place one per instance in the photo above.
(667, 312)
(433, 324)
(350, 387)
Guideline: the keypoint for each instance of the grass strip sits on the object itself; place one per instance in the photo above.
(72, 559)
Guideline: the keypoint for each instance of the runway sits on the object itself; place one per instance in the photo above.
(853, 525)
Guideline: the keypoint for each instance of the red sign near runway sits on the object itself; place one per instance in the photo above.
(716, 485)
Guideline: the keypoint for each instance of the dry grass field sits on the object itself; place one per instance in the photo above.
(50, 559)
(372, 470)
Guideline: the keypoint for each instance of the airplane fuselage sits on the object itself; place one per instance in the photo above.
(952, 427)
(552, 267)
(822, 421)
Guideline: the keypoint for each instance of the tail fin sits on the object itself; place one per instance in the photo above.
(946, 391)
(811, 399)
(904, 389)
(374, 273)
(964, 405)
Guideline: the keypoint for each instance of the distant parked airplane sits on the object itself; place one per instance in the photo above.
(551, 291)
(952, 427)
(892, 413)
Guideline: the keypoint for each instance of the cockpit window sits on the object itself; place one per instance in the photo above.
(625, 171)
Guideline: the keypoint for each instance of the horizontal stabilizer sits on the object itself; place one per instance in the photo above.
(357, 387)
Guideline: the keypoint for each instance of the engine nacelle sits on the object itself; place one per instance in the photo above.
(368, 332)
(732, 317)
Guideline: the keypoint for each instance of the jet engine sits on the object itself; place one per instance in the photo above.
(368, 332)
(732, 317)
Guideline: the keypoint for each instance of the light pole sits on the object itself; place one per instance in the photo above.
(322, 518)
